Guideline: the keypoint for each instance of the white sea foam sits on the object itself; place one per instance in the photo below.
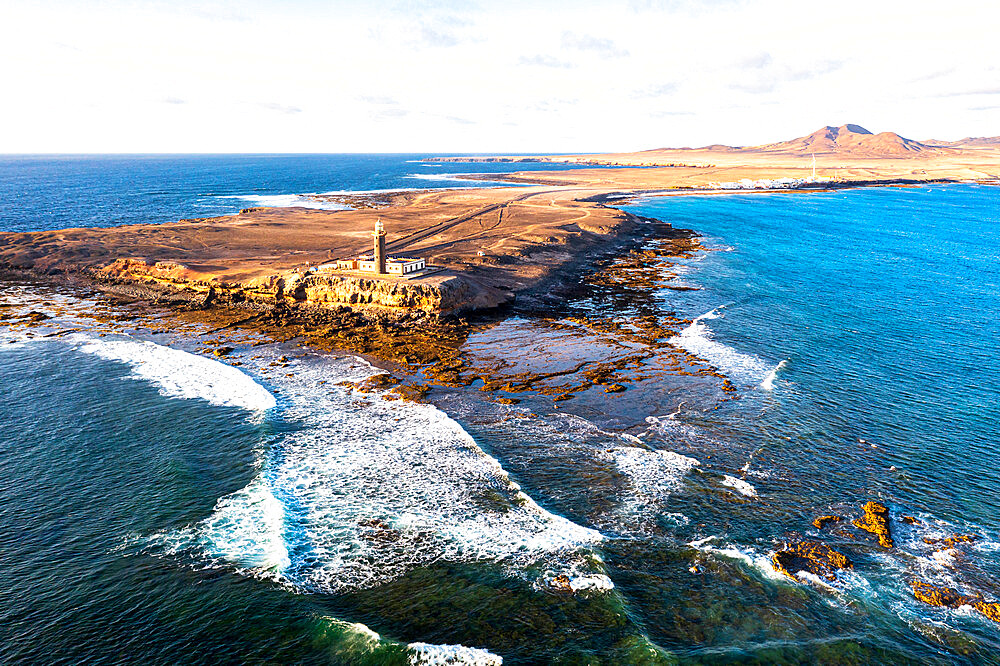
(14, 340)
(581, 576)
(286, 201)
(813, 579)
(371, 488)
(355, 641)
(739, 485)
(654, 475)
(744, 554)
(760, 474)
(635, 499)
(697, 339)
(425, 654)
(768, 383)
(246, 528)
(654, 472)
(598, 582)
(454, 178)
(180, 374)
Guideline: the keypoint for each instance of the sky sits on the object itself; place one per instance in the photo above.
(511, 76)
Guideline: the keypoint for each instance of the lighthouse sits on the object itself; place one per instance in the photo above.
(379, 236)
(378, 262)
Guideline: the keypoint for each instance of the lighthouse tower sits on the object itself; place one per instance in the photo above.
(379, 236)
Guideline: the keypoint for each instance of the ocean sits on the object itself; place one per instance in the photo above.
(64, 191)
(163, 505)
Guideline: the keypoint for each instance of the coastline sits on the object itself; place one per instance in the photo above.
(494, 251)
(417, 344)
(393, 324)
(477, 358)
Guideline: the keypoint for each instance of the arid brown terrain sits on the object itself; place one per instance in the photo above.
(848, 153)
(488, 243)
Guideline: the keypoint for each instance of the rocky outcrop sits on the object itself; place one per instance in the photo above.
(947, 597)
(822, 521)
(444, 293)
(449, 293)
(810, 556)
(876, 521)
(951, 541)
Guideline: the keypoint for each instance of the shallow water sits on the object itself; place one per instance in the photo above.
(165, 506)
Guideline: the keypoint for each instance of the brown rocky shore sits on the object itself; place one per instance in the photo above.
(484, 246)
(488, 250)
(258, 271)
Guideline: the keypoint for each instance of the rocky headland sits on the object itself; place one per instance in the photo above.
(489, 249)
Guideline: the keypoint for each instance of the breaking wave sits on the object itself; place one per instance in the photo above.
(455, 178)
(355, 643)
(286, 201)
(451, 655)
(654, 475)
(180, 374)
(697, 339)
(365, 489)
(748, 556)
(768, 383)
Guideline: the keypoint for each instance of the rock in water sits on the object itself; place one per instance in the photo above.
(876, 521)
(822, 521)
(940, 596)
(990, 609)
(946, 597)
(812, 556)
(951, 541)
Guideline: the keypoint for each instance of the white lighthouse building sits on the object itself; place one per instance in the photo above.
(378, 262)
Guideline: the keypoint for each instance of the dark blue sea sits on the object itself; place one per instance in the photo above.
(62, 191)
(162, 506)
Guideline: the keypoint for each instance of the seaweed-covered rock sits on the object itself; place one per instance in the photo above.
(876, 521)
(811, 556)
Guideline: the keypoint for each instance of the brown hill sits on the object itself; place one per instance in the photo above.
(967, 142)
(851, 140)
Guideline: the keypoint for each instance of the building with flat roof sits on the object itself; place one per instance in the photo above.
(378, 262)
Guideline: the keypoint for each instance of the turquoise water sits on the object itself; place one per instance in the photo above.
(882, 303)
(164, 507)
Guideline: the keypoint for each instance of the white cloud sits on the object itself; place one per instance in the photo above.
(138, 75)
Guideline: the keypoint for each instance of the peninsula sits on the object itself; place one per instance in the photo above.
(485, 245)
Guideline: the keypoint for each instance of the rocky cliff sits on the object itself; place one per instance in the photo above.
(441, 293)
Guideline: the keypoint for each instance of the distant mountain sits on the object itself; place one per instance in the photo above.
(968, 142)
(848, 140)
(853, 140)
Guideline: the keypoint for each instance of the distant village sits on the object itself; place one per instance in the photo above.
(771, 183)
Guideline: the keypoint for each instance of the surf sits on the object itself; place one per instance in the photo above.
(179, 374)
(364, 489)
(698, 339)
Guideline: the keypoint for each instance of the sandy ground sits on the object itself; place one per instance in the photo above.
(503, 236)
(510, 237)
